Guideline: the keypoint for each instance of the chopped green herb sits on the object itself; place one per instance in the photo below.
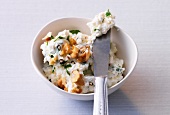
(63, 63)
(108, 13)
(117, 69)
(56, 39)
(60, 37)
(47, 43)
(53, 70)
(68, 38)
(74, 31)
(96, 29)
(51, 56)
(67, 66)
(52, 37)
(67, 72)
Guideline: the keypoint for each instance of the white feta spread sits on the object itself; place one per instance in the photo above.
(101, 23)
(68, 57)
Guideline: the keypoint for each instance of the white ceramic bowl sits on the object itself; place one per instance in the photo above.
(127, 50)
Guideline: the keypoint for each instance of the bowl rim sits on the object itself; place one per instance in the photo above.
(87, 94)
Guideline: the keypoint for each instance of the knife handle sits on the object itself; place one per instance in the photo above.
(100, 106)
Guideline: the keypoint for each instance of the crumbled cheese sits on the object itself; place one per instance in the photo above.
(99, 25)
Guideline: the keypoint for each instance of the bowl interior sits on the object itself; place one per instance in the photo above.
(126, 48)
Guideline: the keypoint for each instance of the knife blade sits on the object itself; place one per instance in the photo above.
(101, 49)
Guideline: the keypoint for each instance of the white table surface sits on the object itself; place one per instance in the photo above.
(146, 92)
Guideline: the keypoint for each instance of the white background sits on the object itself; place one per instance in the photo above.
(146, 92)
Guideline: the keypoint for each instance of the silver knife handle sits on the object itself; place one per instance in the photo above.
(100, 106)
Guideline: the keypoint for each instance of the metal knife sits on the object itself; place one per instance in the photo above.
(101, 49)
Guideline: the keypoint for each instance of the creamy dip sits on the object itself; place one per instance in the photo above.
(68, 57)
(101, 23)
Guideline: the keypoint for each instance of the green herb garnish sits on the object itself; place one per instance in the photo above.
(52, 37)
(53, 70)
(67, 66)
(96, 29)
(68, 38)
(108, 13)
(67, 72)
(60, 37)
(47, 43)
(56, 39)
(117, 69)
(74, 31)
